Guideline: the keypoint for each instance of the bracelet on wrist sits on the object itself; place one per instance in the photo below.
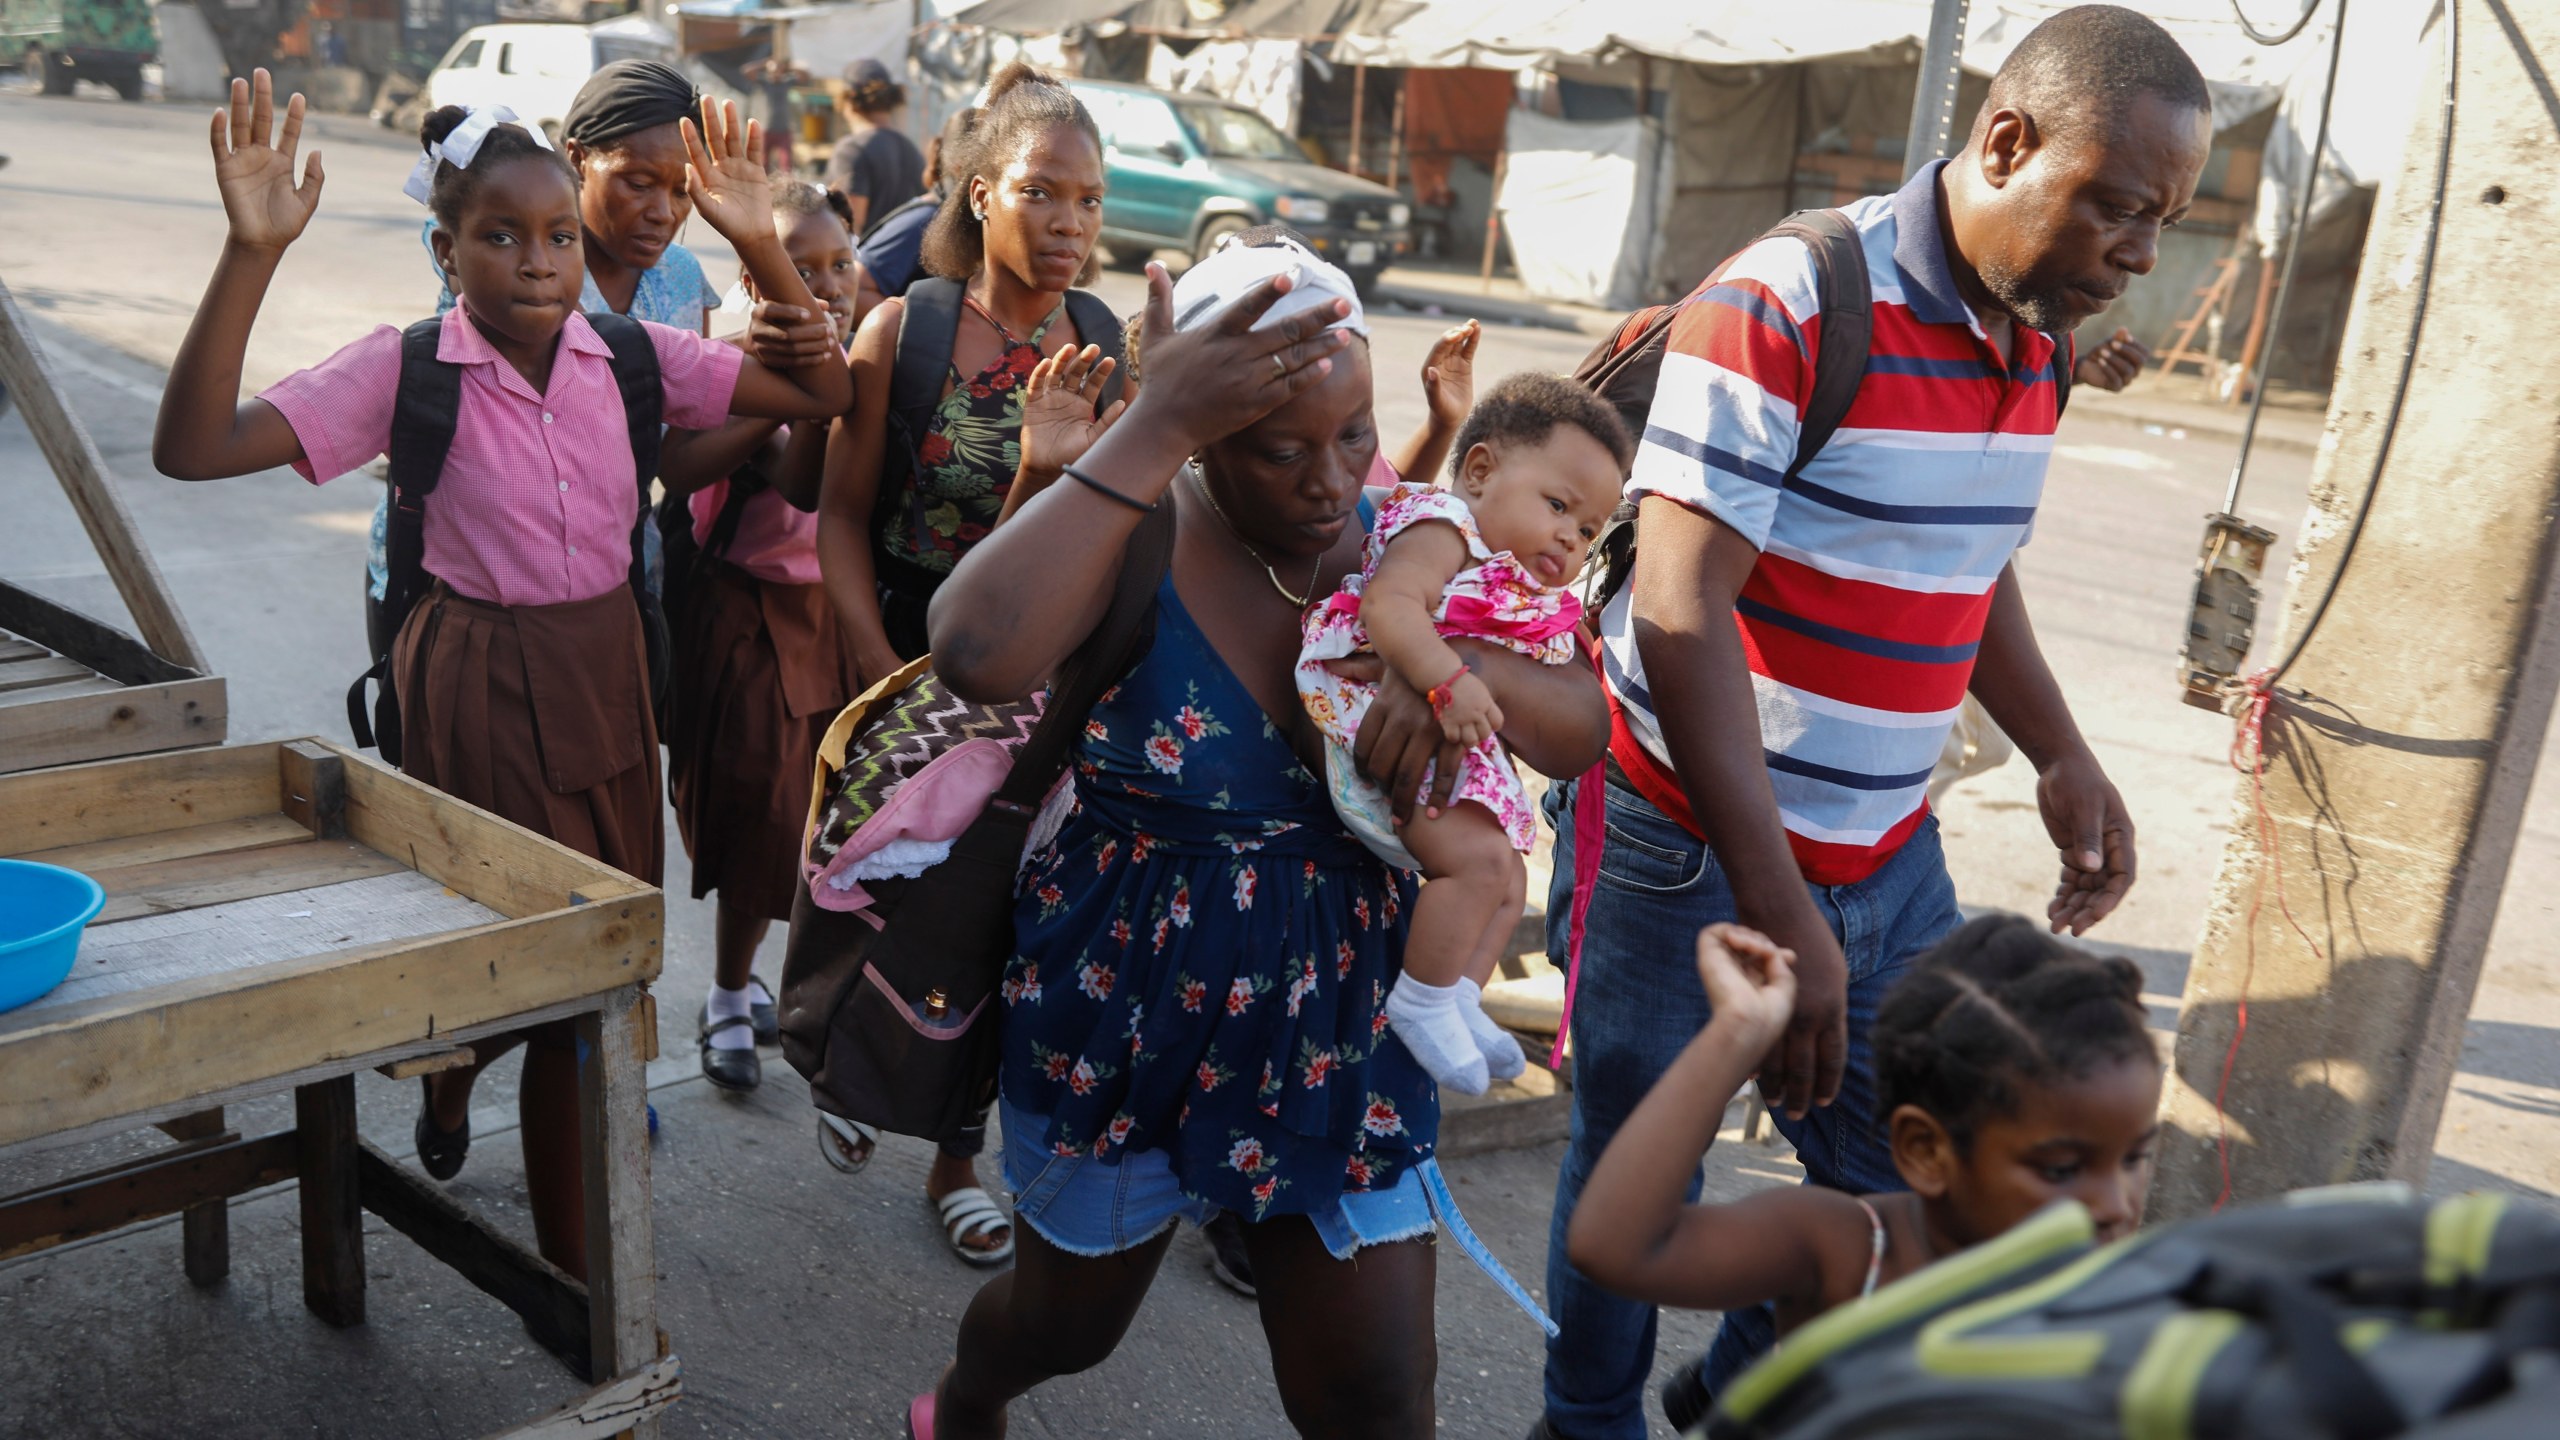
(1444, 694)
(1143, 507)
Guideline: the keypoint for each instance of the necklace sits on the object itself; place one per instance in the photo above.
(1201, 482)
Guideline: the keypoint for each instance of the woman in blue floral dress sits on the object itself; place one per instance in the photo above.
(1193, 1021)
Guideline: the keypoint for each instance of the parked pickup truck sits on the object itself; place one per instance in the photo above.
(59, 42)
(1186, 171)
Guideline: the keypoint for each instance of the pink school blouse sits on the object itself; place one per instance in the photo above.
(536, 501)
(776, 542)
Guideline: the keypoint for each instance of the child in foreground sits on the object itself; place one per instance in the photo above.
(1537, 470)
(2011, 1071)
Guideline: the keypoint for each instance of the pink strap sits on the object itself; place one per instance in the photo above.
(1590, 822)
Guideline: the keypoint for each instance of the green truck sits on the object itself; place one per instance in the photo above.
(58, 42)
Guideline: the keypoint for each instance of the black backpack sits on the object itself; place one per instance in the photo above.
(927, 329)
(422, 425)
(1623, 369)
(2353, 1313)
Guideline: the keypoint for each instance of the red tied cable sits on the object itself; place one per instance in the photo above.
(2251, 736)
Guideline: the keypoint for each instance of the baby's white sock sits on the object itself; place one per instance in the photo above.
(1502, 1057)
(724, 1004)
(1427, 1019)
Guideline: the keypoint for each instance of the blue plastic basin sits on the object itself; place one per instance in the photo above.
(43, 909)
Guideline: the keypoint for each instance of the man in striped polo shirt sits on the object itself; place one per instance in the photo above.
(1786, 661)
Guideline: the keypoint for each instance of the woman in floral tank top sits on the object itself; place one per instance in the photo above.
(1193, 1019)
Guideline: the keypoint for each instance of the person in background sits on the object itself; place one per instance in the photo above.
(893, 249)
(759, 667)
(1785, 661)
(1014, 234)
(875, 165)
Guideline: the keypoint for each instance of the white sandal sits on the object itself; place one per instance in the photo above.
(968, 1213)
(847, 1144)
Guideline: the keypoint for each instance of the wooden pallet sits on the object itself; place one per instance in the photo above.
(281, 917)
(73, 688)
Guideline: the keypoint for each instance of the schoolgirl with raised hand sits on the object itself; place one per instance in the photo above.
(523, 669)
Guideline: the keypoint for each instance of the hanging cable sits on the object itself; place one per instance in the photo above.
(2250, 28)
(2408, 357)
(2293, 247)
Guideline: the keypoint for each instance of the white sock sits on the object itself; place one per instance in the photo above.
(1427, 1020)
(722, 1005)
(1502, 1057)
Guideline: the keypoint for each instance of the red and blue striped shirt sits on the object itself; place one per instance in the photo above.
(1877, 563)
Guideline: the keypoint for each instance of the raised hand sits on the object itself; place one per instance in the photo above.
(1058, 419)
(266, 209)
(723, 174)
(1449, 375)
(1751, 983)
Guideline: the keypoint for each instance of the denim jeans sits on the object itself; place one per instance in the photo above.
(1637, 1005)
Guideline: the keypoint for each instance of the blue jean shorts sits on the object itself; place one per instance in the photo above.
(1086, 1207)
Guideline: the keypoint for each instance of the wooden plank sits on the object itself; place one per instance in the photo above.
(167, 886)
(611, 1408)
(161, 1185)
(155, 950)
(105, 724)
(435, 1064)
(622, 1267)
(87, 682)
(83, 473)
(311, 786)
(12, 648)
(324, 1127)
(204, 1228)
(264, 1087)
(552, 1305)
(257, 832)
(79, 636)
(138, 795)
(502, 865)
(65, 1066)
(41, 670)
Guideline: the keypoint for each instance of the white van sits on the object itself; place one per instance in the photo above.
(536, 70)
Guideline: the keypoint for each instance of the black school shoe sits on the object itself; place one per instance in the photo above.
(1685, 1400)
(737, 1070)
(1227, 1259)
(440, 1152)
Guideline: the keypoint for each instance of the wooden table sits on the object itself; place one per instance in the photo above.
(280, 917)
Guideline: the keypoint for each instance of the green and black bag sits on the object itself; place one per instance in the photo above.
(2352, 1313)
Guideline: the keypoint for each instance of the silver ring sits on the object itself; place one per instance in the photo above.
(1279, 368)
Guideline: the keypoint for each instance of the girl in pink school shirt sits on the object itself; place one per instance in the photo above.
(522, 671)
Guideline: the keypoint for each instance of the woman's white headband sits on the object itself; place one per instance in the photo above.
(463, 146)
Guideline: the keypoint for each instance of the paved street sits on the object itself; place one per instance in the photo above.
(803, 1303)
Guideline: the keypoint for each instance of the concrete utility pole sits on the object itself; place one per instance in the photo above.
(2402, 743)
(1933, 100)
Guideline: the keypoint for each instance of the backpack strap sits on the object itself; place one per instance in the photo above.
(1848, 326)
(1096, 325)
(644, 393)
(2066, 356)
(427, 407)
(928, 326)
(1127, 629)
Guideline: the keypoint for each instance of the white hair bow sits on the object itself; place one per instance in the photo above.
(463, 146)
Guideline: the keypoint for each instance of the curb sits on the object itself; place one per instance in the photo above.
(1491, 310)
(2214, 429)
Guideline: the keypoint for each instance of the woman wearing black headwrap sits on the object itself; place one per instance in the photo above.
(620, 133)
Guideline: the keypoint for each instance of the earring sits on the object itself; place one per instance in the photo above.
(977, 214)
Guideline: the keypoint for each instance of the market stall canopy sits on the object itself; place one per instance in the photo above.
(1535, 34)
(1259, 19)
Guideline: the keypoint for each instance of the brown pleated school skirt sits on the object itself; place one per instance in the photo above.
(760, 670)
(539, 714)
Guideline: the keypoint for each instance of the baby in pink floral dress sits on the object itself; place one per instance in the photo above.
(1537, 469)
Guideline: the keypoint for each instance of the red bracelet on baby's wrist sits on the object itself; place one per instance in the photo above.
(1444, 694)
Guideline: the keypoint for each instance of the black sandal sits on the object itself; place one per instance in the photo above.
(440, 1152)
(739, 1069)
